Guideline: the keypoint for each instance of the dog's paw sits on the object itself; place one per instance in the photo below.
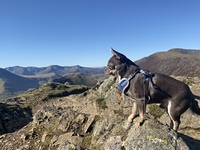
(139, 123)
(130, 120)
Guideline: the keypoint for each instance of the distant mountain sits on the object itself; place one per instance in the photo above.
(12, 85)
(77, 79)
(55, 69)
(15, 80)
(178, 62)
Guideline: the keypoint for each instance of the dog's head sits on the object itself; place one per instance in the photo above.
(115, 63)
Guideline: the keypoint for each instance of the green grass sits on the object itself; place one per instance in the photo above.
(101, 103)
(87, 141)
(50, 90)
(155, 110)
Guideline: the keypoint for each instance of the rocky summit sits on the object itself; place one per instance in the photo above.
(93, 119)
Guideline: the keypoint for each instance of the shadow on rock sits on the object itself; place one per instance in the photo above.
(192, 143)
(13, 117)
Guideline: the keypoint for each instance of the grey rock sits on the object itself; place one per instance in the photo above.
(153, 136)
(113, 143)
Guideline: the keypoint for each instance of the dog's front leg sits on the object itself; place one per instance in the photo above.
(133, 113)
(142, 109)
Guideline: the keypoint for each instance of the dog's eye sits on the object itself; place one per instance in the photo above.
(111, 67)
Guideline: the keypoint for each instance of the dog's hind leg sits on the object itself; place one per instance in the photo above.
(174, 124)
(174, 117)
(133, 113)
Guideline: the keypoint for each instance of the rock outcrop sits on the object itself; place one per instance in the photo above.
(95, 119)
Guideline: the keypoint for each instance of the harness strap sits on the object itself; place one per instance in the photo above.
(133, 75)
(147, 76)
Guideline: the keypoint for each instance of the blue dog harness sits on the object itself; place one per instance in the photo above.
(124, 82)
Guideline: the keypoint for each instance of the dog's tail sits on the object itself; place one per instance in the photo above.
(194, 107)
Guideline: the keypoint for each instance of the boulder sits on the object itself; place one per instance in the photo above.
(153, 136)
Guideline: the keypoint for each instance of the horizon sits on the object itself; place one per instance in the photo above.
(54, 65)
(89, 66)
(69, 33)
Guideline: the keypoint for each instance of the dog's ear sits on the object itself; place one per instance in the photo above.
(115, 53)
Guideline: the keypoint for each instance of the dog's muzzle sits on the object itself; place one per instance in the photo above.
(110, 71)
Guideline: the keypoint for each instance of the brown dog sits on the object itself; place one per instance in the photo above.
(144, 87)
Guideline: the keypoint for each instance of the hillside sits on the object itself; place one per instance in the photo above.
(77, 79)
(12, 85)
(68, 117)
(55, 69)
(177, 62)
(43, 75)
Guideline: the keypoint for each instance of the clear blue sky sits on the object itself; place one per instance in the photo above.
(80, 32)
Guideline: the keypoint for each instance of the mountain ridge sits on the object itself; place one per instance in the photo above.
(193, 52)
(59, 70)
(177, 62)
(13, 83)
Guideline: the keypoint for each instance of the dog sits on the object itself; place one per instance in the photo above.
(144, 87)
